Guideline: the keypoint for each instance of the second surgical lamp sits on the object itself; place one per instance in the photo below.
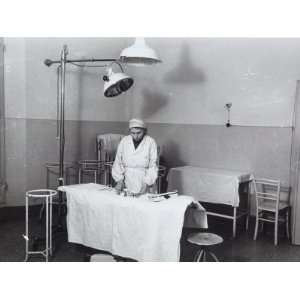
(116, 83)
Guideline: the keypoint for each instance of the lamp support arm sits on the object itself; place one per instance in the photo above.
(49, 62)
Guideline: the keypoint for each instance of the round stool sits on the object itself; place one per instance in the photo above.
(204, 240)
(102, 258)
(47, 196)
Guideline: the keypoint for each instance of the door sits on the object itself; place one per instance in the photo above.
(295, 169)
(2, 126)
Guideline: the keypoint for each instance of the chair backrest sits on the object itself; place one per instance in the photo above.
(266, 190)
(107, 145)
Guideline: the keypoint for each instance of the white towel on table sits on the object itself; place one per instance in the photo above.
(130, 227)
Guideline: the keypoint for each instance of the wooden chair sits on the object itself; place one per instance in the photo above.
(269, 208)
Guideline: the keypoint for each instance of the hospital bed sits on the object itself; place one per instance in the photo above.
(141, 228)
(217, 186)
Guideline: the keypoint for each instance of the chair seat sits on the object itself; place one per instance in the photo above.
(271, 206)
(205, 239)
(102, 258)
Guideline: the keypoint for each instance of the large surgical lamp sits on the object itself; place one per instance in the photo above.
(114, 83)
(139, 54)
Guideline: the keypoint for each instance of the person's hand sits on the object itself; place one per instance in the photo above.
(152, 189)
(143, 189)
(119, 186)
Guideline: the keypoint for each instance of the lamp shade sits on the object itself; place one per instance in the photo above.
(116, 83)
(139, 54)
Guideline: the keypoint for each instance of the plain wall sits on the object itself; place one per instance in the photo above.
(199, 76)
(181, 99)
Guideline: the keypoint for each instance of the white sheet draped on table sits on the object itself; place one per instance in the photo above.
(208, 185)
(126, 226)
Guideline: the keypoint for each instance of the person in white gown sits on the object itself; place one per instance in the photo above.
(135, 166)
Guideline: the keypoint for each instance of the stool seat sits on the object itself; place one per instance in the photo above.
(205, 239)
(41, 193)
(102, 258)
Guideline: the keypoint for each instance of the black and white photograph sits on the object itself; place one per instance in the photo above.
(138, 147)
(159, 149)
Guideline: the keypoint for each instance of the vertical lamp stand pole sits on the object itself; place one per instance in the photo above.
(61, 130)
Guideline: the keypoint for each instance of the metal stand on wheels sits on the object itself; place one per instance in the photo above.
(52, 168)
(94, 167)
(47, 196)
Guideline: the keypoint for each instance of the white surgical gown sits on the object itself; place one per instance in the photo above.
(137, 167)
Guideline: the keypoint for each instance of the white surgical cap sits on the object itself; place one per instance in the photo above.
(137, 123)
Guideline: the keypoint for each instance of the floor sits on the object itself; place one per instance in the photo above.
(240, 249)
